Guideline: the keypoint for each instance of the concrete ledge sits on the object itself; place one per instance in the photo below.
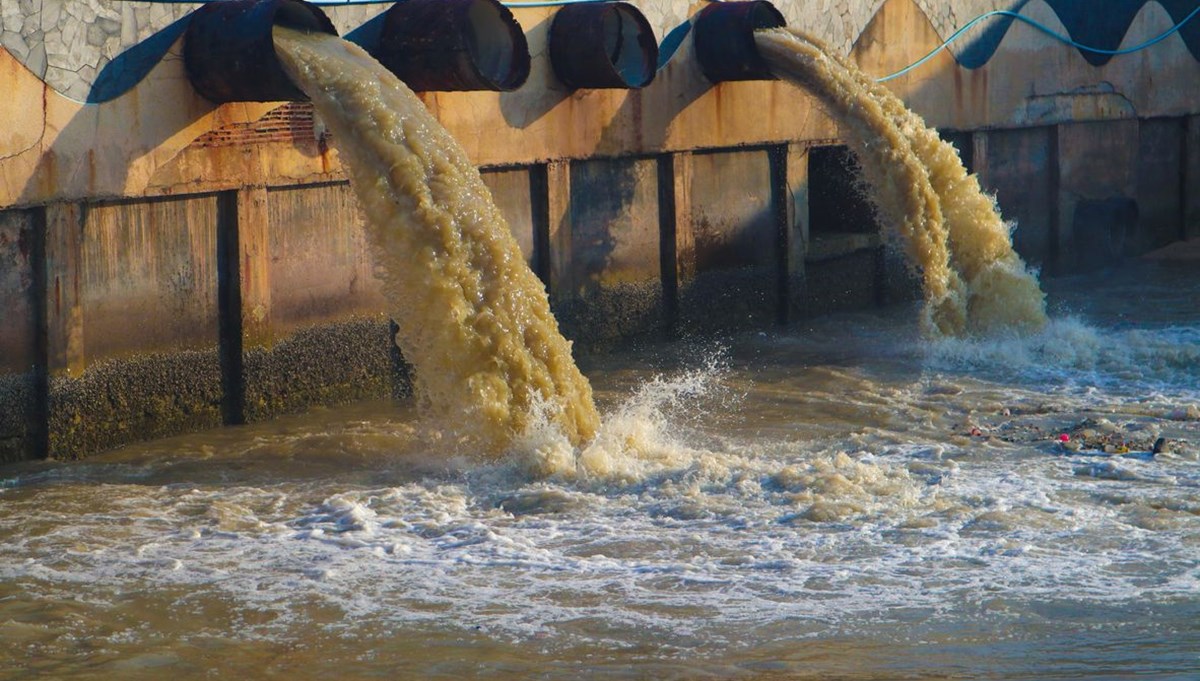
(834, 246)
(852, 281)
(324, 365)
(1180, 251)
(126, 400)
(613, 316)
(729, 300)
(19, 426)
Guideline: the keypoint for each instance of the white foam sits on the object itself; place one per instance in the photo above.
(1071, 350)
(857, 506)
(698, 542)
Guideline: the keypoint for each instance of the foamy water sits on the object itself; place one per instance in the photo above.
(845, 500)
(473, 320)
(951, 231)
(807, 504)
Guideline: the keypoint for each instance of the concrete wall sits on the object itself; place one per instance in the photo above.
(167, 267)
(731, 276)
(1160, 184)
(314, 318)
(127, 144)
(1191, 178)
(21, 386)
(1021, 167)
(609, 243)
(138, 319)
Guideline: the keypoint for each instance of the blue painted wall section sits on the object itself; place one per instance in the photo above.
(1096, 23)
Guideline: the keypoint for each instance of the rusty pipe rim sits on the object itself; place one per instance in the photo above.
(454, 45)
(602, 45)
(723, 36)
(229, 50)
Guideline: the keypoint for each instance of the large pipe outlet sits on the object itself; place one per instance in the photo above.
(229, 52)
(724, 39)
(602, 45)
(441, 45)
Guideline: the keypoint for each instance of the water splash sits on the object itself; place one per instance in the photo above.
(473, 319)
(1070, 350)
(639, 439)
(973, 280)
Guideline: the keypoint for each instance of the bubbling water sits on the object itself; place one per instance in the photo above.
(973, 280)
(473, 320)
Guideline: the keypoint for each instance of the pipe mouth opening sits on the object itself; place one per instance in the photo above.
(763, 14)
(603, 45)
(229, 48)
(493, 50)
(301, 15)
(447, 45)
(724, 39)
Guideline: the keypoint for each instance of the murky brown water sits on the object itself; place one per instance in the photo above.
(808, 503)
(473, 320)
(840, 500)
(948, 227)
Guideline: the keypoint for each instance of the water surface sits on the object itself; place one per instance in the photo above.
(836, 500)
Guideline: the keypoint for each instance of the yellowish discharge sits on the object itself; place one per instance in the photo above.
(474, 321)
(974, 282)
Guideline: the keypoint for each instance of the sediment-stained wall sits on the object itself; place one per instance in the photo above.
(168, 264)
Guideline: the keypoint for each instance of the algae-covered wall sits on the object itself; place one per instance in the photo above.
(168, 264)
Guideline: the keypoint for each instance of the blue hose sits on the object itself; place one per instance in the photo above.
(1044, 29)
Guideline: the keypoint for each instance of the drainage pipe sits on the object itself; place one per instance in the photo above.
(602, 45)
(229, 50)
(443, 45)
(724, 39)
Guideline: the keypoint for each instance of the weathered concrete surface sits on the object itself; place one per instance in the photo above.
(127, 278)
(320, 263)
(126, 400)
(89, 50)
(1021, 168)
(1191, 178)
(734, 276)
(798, 176)
(1097, 161)
(83, 47)
(18, 352)
(515, 197)
(19, 377)
(614, 290)
(131, 310)
(1160, 175)
(315, 329)
(131, 302)
(325, 364)
(147, 278)
(1031, 79)
(129, 146)
(195, 146)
